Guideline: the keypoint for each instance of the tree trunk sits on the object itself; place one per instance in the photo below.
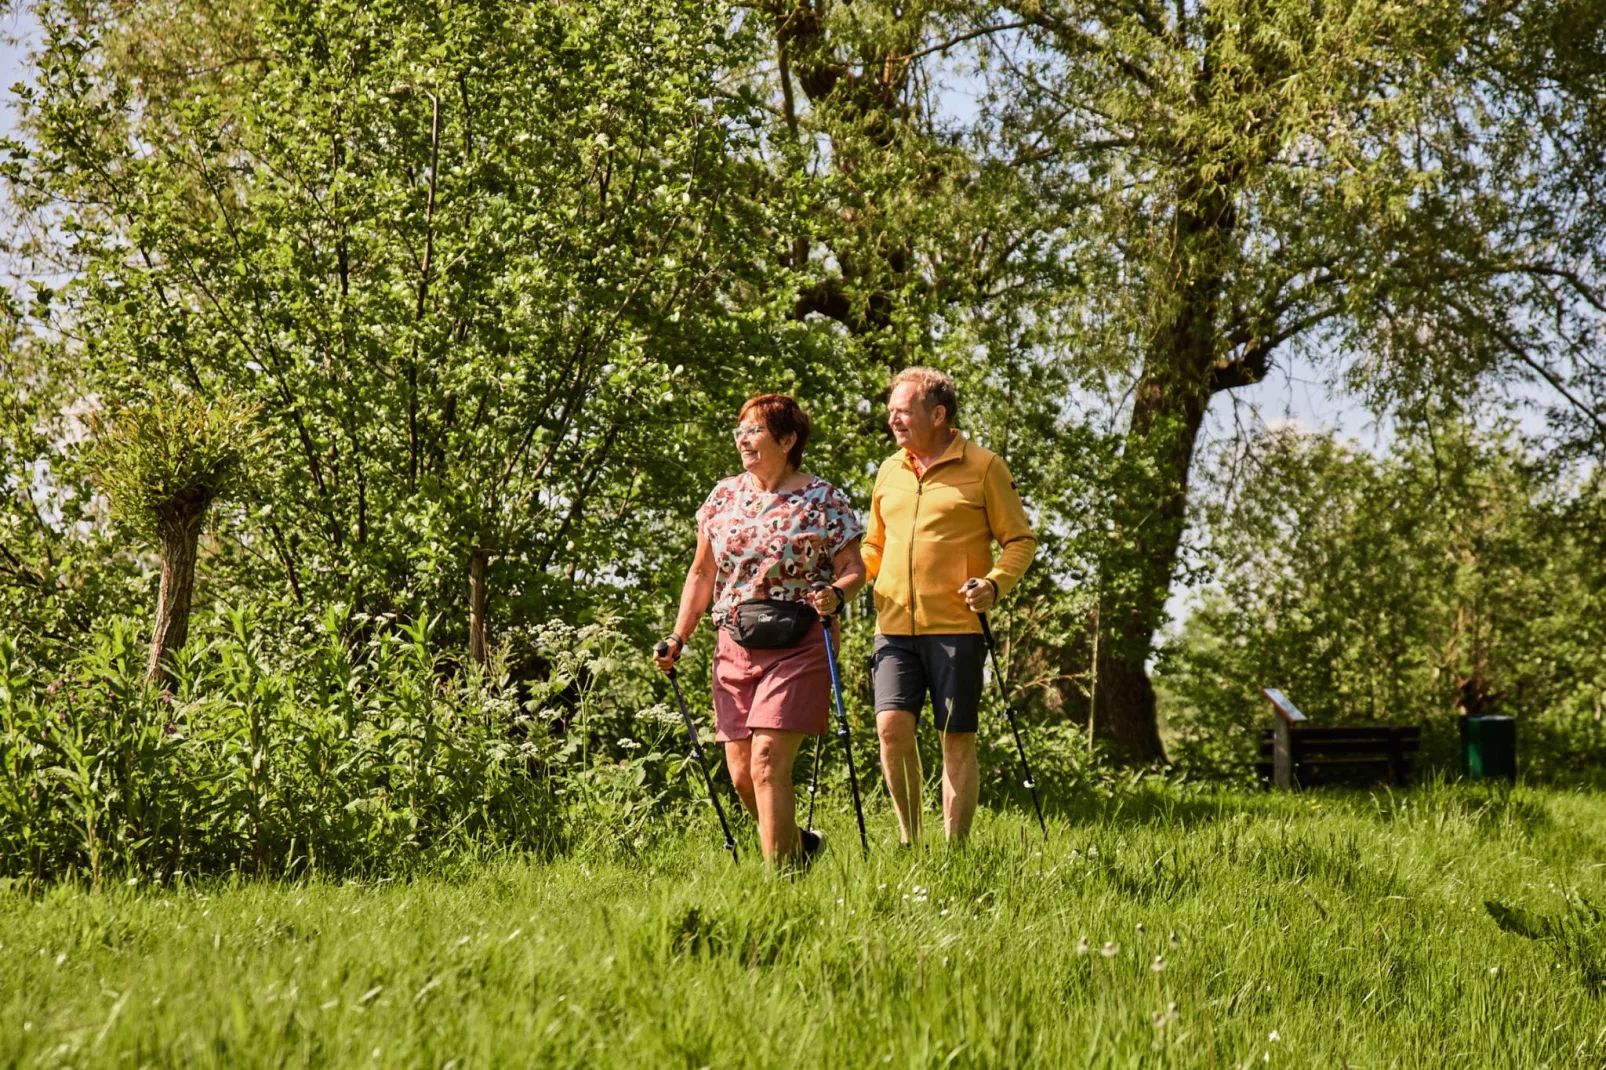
(478, 564)
(1125, 712)
(1180, 373)
(180, 534)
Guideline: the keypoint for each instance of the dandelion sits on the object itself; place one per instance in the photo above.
(1109, 949)
(1494, 970)
(1082, 946)
(1158, 965)
(1273, 1036)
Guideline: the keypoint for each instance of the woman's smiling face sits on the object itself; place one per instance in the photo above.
(759, 450)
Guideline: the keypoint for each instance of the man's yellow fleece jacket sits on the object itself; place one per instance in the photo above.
(931, 532)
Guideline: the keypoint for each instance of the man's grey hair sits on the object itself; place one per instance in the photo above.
(935, 389)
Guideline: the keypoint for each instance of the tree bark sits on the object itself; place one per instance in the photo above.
(180, 534)
(478, 565)
(1181, 372)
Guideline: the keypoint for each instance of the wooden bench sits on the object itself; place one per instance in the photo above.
(1295, 753)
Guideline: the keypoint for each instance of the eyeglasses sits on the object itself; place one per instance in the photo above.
(750, 431)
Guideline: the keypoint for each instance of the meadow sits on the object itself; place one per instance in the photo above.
(1161, 925)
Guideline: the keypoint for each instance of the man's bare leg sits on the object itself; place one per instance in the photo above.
(960, 780)
(900, 764)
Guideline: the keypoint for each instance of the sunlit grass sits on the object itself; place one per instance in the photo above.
(1157, 927)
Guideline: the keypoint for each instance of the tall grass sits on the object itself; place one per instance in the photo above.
(339, 746)
(1160, 926)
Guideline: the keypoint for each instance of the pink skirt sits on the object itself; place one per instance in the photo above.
(786, 689)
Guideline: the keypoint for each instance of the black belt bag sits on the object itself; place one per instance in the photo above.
(771, 624)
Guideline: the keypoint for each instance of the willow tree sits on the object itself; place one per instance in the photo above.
(1410, 192)
(163, 462)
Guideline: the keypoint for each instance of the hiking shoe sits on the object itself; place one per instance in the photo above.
(813, 844)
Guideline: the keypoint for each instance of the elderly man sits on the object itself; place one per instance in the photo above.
(940, 503)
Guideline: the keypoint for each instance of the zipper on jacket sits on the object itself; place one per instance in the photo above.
(914, 526)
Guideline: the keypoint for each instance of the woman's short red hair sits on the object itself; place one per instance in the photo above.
(783, 416)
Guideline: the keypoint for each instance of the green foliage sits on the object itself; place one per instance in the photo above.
(1461, 571)
(1164, 927)
(171, 457)
(334, 745)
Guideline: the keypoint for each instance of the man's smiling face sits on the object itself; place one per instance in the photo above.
(911, 422)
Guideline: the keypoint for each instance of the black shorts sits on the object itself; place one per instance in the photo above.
(948, 667)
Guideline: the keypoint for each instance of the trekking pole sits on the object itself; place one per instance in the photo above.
(814, 783)
(843, 733)
(662, 650)
(1009, 715)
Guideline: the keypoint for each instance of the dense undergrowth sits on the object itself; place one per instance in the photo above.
(351, 746)
(336, 746)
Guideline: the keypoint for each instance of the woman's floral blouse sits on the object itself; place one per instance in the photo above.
(773, 545)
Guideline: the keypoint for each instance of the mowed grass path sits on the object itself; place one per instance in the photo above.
(1314, 930)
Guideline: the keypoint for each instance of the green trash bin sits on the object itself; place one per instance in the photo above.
(1489, 747)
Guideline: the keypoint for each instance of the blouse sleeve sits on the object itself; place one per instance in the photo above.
(707, 511)
(842, 524)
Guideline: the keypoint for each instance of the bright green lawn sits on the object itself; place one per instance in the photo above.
(1309, 930)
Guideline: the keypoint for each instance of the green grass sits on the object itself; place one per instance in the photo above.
(1309, 930)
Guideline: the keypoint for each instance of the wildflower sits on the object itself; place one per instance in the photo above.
(1109, 949)
(660, 714)
(1140, 928)
(1494, 969)
(1158, 965)
(1082, 946)
(627, 743)
(1273, 1036)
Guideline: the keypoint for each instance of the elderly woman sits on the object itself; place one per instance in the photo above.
(777, 549)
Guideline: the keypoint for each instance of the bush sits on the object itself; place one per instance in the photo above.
(342, 745)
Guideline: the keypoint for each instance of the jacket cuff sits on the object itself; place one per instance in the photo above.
(1002, 582)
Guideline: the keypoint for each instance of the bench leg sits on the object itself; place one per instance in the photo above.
(1282, 755)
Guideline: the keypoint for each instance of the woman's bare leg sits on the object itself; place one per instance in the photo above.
(739, 761)
(773, 753)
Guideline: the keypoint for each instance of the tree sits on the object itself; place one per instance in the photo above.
(1411, 188)
(163, 462)
(1462, 573)
(462, 259)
